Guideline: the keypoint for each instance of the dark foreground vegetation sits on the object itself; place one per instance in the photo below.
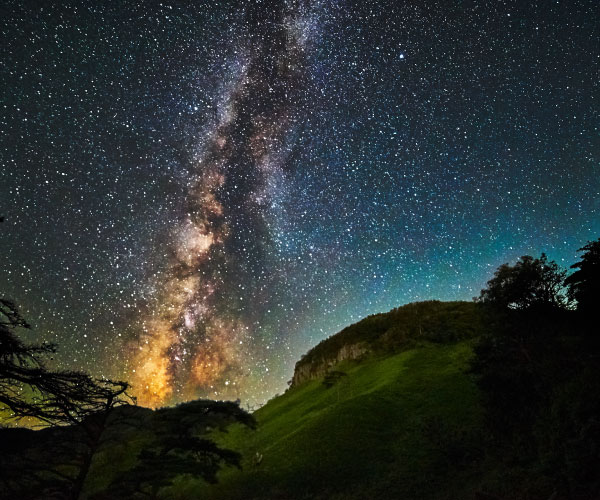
(494, 399)
(91, 424)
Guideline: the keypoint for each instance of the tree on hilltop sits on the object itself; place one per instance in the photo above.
(530, 282)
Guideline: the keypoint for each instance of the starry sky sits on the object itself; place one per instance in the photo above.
(195, 193)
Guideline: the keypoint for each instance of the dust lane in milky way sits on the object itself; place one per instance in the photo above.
(200, 336)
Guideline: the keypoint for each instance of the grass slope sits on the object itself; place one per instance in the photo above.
(405, 425)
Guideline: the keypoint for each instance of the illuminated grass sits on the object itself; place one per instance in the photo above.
(392, 427)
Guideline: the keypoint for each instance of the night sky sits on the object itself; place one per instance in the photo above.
(195, 193)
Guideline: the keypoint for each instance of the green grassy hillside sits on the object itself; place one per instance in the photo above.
(402, 424)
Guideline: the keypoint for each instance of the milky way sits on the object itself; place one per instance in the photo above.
(201, 334)
(196, 193)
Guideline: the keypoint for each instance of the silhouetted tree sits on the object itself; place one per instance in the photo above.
(569, 431)
(30, 390)
(584, 283)
(180, 445)
(530, 282)
(525, 306)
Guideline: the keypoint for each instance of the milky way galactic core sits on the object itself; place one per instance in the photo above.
(196, 193)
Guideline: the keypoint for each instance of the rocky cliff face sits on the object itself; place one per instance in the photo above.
(308, 370)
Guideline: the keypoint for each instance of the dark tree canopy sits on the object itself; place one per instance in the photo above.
(181, 444)
(530, 282)
(29, 389)
(584, 283)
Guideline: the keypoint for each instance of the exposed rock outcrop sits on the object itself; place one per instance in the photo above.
(311, 369)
